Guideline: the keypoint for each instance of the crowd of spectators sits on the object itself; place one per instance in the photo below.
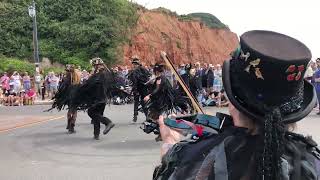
(21, 89)
(209, 79)
(16, 89)
(313, 75)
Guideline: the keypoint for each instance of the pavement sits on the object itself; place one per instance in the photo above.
(35, 145)
(43, 102)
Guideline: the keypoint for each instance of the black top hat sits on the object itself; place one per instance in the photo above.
(135, 61)
(267, 72)
(264, 80)
(158, 67)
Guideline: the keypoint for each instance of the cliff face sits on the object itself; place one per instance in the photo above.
(183, 41)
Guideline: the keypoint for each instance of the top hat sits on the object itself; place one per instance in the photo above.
(266, 72)
(135, 60)
(96, 61)
(158, 67)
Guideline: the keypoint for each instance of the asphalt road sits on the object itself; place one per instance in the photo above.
(44, 150)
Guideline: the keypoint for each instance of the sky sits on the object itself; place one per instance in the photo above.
(297, 18)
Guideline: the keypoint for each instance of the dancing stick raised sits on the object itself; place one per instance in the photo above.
(194, 102)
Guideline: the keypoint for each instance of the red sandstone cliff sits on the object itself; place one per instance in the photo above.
(184, 41)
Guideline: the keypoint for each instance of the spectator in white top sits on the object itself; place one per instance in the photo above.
(217, 84)
(54, 83)
(16, 79)
(38, 80)
(310, 71)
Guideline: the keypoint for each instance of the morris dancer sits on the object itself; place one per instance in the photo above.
(63, 97)
(164, 99)
(139, 77)
(95, 93)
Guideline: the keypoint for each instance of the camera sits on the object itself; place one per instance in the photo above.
(216, 123)
(150, 126)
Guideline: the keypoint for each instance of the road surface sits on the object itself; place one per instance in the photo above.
(35, 146)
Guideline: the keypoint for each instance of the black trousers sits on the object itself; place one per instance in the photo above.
(137, 99)
(43, 91)
(96, 114)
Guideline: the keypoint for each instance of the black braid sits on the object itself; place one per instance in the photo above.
(270, 158)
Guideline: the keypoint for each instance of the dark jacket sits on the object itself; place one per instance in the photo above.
(210, 78)
(199, 77)
(204, 78)
(232, 155)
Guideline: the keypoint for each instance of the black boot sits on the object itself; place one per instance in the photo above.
(108, 128)
(135, 118)
(96, 137)
(68, 124)
(71, 129)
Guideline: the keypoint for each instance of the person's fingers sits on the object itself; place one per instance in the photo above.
(168, 135)
(161, 121)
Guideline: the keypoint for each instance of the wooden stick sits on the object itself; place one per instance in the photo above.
(182, 83)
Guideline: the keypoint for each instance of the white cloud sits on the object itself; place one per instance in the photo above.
(296, 18)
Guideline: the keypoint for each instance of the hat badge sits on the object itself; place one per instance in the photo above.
(295, 72)
(255, 64)
(244, 56)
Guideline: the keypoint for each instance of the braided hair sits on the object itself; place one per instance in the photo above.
(272, 128)
(273, 147)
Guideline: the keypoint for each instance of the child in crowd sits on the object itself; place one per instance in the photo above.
(30, 97)
(22, 98)
(222, 99)
(211, 101)
(13, 99)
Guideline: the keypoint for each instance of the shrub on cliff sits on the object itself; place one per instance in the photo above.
(165, 11)
(208, 19)
(77, 29)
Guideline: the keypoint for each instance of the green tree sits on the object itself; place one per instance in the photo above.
(68, 30)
